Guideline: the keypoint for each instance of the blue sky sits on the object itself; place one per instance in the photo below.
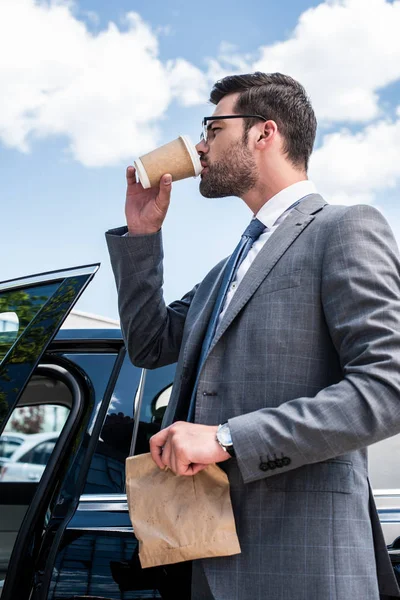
(87, 86)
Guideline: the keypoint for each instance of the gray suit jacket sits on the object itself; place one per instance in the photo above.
(305, 365)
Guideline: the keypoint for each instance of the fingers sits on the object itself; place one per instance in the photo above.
(156, 447)
(171, 448)
(164, 193)
(166, 454)
(195, 468)
(131, 175)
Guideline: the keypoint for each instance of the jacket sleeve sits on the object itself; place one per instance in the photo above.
(152, 331)
(360, 295)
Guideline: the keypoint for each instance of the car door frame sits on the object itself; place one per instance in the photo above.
(51, 542)
(13, 381)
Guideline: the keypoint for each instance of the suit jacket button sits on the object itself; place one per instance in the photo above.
(286, 461)
(272, 464)
(279, 463)
(264, 466)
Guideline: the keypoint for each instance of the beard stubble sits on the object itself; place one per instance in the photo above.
(233, 175)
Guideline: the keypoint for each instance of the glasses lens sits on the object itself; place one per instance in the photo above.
(203, 136)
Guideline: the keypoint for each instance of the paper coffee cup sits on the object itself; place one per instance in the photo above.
(179, 158)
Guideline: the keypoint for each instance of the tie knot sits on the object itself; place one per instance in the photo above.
(255, 229)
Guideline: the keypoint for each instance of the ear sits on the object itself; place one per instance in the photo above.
(266, 134)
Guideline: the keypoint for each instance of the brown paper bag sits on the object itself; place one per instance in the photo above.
(179, 518)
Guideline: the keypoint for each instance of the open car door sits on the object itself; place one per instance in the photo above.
(32, 309)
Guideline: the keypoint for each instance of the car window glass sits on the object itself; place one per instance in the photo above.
(8, 445)
(17, 309)
(107, 469)
(26, 445)
(9, 326)
(156, 395)
(39, 455)
(98, 368)
(40, 426)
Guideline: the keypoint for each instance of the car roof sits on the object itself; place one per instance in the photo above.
(33, 440)
(13, 435)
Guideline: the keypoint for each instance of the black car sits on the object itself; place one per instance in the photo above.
(68, 535)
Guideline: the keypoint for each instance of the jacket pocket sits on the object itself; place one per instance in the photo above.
(329, 476)
(275, 283)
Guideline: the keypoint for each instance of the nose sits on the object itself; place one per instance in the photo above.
(202, 147)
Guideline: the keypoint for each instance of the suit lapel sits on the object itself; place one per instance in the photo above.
(199, 326)
(272, 251)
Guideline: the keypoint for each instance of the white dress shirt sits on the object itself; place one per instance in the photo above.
(272, 213)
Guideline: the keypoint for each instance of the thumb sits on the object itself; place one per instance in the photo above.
(196, 468)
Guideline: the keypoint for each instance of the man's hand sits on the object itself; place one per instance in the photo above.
(186, 448)
(145, 210)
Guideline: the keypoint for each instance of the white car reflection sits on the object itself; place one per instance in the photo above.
(28, 462)
(9, 443)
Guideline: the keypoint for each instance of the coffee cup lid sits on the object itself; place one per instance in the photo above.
(193, 154)
(141, 171)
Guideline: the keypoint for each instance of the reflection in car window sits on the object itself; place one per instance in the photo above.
(157, 381)
(17, 309)
(34, 426)
(8, 445)
(157, 391)
(9, 326)
(39, 426)
(40, 454)
(26, 446)
(107, 469)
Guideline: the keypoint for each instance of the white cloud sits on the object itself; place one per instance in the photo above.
(342, 51)
(106, 92)
(187, 82)
(359, 165)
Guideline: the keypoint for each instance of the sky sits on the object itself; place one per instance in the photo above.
(87, 86)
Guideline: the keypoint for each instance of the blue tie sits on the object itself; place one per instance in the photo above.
(253, 231)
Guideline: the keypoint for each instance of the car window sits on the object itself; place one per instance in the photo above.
(17, 309)
(40, 424)
(26, 445)
(8, 446)
(9, 326)
(107, 469)
(156, 394)
(39, 455)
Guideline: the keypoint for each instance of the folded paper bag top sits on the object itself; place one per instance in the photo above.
(179, 518)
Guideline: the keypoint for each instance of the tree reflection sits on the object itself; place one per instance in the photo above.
(40, 311)
(26, 306)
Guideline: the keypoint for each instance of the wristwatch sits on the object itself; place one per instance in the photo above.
(224, 439)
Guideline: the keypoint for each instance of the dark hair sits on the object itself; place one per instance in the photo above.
(279, 98)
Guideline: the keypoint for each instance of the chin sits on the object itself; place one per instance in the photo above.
(212, 194)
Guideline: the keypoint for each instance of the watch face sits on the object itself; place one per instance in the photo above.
(224, 435)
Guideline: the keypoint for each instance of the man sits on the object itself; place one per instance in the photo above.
(300, 365)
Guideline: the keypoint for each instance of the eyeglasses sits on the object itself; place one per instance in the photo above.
(206, 128)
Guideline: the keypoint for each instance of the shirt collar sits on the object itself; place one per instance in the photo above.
(270, 212)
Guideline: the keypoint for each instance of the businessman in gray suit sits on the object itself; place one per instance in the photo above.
(288, 372)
